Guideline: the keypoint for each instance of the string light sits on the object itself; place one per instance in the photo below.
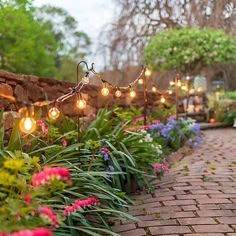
(163, 99)
(80, 103)
(118, 93)
(170, 91)
(53, 113)
(140, 81)
(132, 93)
(154, 89)
(148, 72)
(179, 83)
(85, 80)
(172, 83)
(27, 124)
(184, 87)
(105, 91)
(187, 77)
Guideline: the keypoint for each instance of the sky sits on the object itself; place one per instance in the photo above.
(92, 16)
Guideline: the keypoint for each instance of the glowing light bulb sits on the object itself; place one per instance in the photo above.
(118, 93)
(148, 73)
(179, 83)
(170, 91)
(172, 83)
(140, 81)
(81, 103)
(154, 89)
(53, 113)
(187, 77)
(132, 93)
(27, 125)
(105, 91)
(85, 80)
(184, 87)
(163, 99)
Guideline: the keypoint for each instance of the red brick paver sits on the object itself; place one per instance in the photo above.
(196, 198)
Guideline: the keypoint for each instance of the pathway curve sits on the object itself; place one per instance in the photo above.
(196, 198)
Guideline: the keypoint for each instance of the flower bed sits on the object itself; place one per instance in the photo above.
(59, 181)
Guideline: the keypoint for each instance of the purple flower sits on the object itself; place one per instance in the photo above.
(110, 168)
(105, 156)
(195, 128)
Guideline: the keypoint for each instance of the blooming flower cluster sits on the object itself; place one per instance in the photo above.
(63, 141)
(28, 232)
(105, 152)
(78, 204)
(49, 174)
(146, 136)
(47, 213)
(157, 166)
(43, 127)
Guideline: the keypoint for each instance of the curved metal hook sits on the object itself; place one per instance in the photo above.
(77, 70)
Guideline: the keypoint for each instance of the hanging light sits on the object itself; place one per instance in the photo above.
(184, 87)
(81, 103)
(187, 77)
(148, 73)
(163, 99)
(179, 83)
(85, 79)
(105, 91)
(170, 91)
(140, 81)
(154, 89)
(118, 93)
(172, 83)
(132, 93)
(53, 113)
(27, 123)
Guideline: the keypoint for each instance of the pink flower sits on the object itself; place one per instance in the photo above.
(46, 211)
(157, 166)
(105, 150)
(49, 174)
(3, 234)
(27, 198)
(172, 116)
(63, 141)
(79, 203)
(139, 119)
(43, 127)
(156, 121)
(27, 144)
(26, 232)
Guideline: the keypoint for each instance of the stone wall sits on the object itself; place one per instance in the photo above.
(31, 89)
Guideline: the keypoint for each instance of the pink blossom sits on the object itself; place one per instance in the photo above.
(27, 232)
(157, 166)
(79, 203)
(63, 141)
(45, 210)
(172, 116)
(49, 174)
(105, 150)
(27, 198)
(139, 119)
(27, 144)
(156, 121)
(43, 127)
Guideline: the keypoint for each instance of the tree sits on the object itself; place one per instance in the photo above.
(26, 45)
(73, 44)
(189, 49)
(138, 20)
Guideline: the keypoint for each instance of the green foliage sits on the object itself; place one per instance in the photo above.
(189, 49)
(230, 95)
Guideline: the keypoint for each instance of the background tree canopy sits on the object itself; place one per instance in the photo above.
(189, 49)
(44, 41)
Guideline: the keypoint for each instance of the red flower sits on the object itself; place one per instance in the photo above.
(156, 167)
(63, 141)
(103, 149)
(26, 232)
(43, 127)
(79, 203)
(49, 174)
(45, 210)
(27, 198)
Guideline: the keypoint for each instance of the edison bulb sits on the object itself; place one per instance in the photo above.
(105, 91)
(85, 80)
(140, 81)
(147, 72)
(172, 83)
(184, 87)
(170, 91)
(53, 113)
(118, 93)
(132, 93)
(163, 100)
(179, 83)
(81, 103)
(27, 125)
(154, 89)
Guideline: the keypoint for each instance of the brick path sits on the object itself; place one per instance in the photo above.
(197, 197)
